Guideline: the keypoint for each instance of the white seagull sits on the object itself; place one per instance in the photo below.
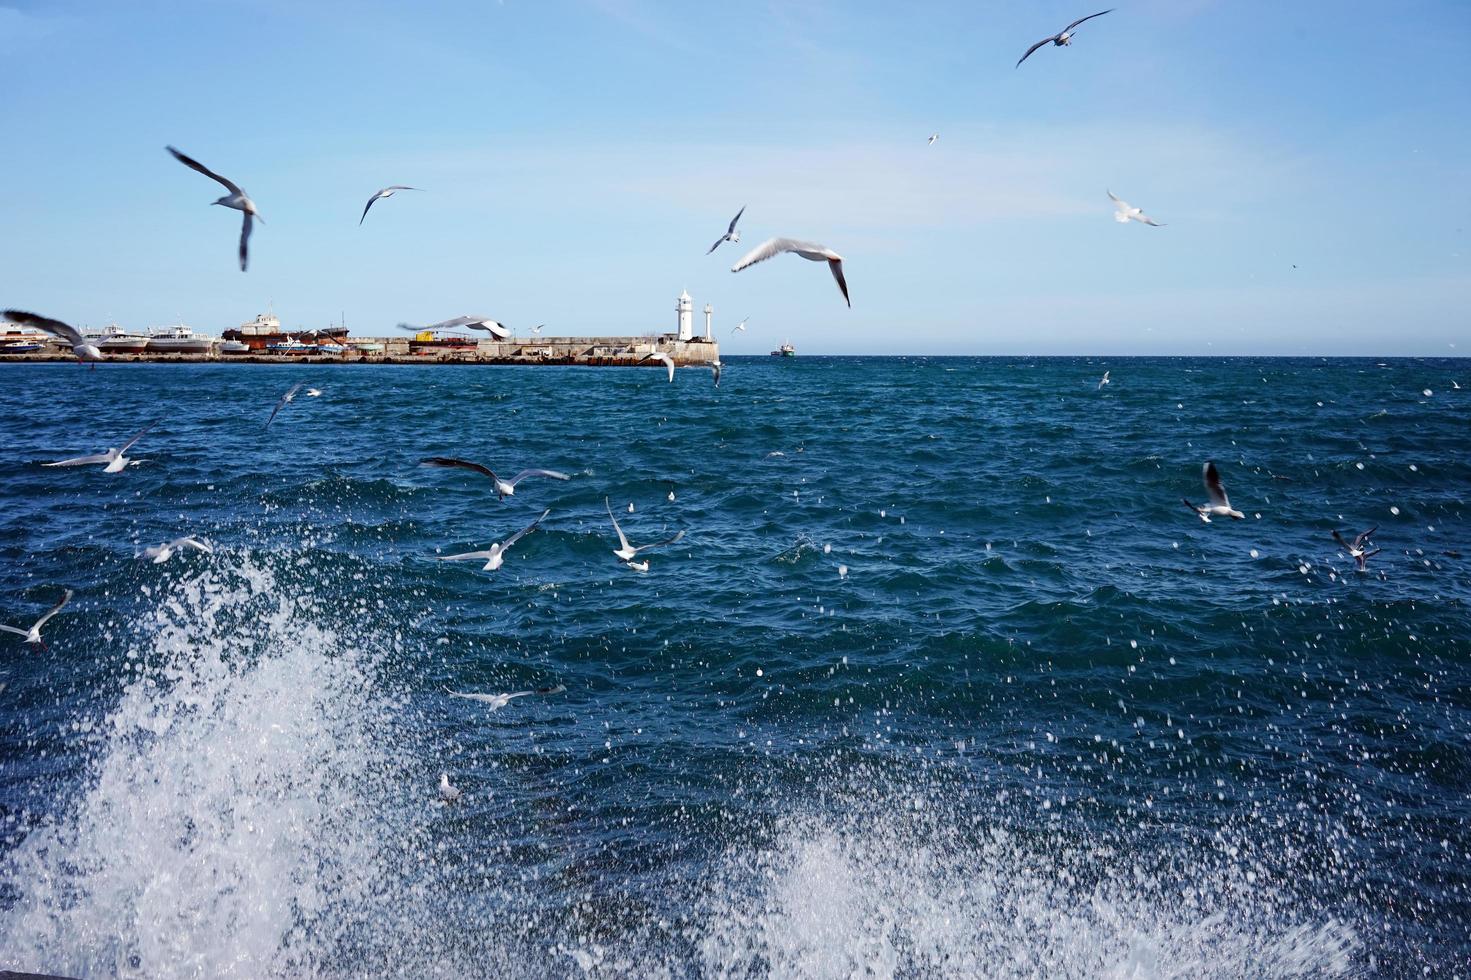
(626, 552)
(314, 393)
(715, 367)
(495, 328)
(536, 330)
(740, 327)
(1358, 550)
(286, 399)
(664, 359)
(385, 192)
(1124, 212)
(114, 458)
(448, 793)
(61, 331)
(503, 488)
(495, 702)
(495, 555)
(236, 199)
(1063, 37)
(731, 235)
(933, 137)
(161, 553)
(1220, 506)
(1104, 381)
(33, 635)
(808, 250)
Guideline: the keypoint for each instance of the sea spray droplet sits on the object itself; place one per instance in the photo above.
(842, 571)
(1394, 511)
(1427, 392)
(1254, 553)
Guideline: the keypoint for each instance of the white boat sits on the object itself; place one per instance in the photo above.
(114, 339)
(264, 325)
(234, 347)
(179, 340)
(367, 346)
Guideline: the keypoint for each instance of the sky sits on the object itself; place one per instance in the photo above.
(1310, 162)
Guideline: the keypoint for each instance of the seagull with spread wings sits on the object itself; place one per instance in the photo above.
(385, 192)
(625, 552)
(236, 199)
(503, 488)
(495, 328)
(1124, 212)
(1063, 37)
(1358, 550)
(64, 332)
(286, 399)
(495, 702)
(662, 358)
(114, 459)
(495, 555)
(1219, 505)
(33, 635)
(731, 235)
(161, 553)
(810, 251)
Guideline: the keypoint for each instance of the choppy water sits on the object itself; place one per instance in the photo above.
(1047, 724)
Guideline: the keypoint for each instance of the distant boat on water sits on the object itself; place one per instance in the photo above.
(785, 350)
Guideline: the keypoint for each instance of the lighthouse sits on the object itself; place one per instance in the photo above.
(709, 311)
(686, 308)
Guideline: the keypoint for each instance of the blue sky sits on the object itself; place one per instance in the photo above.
(578, 159)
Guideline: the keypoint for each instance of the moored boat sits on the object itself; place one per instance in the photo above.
(179, 339)
(113, 339)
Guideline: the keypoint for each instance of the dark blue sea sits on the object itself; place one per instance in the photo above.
(943, 680)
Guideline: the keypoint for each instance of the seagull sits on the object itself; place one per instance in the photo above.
(62, 331)
(808, 250)
(495, 702)
(447, 793)
(1063, 37)
(33, 635)
(671, 493)
(314, 393)
(385, 192)
(740, 327)
(1357, 551)
(1125, 212)
(503, 488)
(933, 137)
(236, 199)
(715, 367)
(663, 358)
(537, 329)
(1219, 505)
(285, 399)
(626, 552)
(114, 458)
(495, 328)
(1104, 381)
(163, 552)
(731, 235)
(495, 556)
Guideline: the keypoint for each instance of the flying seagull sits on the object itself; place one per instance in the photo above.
(740, 327)
(495, 702)
(537, 329)
(664, 359)
(61, 331)
(33, 635)
(1358, 551)
(236, 199)
(161, 553)
(314, 393)
(448, 793)
(731, 235)
(1104, 381)
(933, 137)
(285, 400)
(626, 552)
(503, 488)
(715, 367)
(808, 250)
(495, 328)
(385, 192)
(1220, 506)
(1063, 37)
(495, 555)
(114, 458)
(1124, 212)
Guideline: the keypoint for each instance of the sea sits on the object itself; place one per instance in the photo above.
(943, 679)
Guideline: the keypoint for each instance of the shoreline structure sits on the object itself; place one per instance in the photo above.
(577, 351)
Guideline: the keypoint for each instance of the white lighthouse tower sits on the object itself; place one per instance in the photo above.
(686, 308)
(709, 311)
